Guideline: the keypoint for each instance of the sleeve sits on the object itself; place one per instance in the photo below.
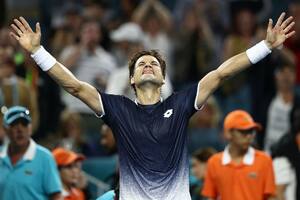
(282, 170)
(209, 188)
(112, 106)
(269, 187)
(187, 99)
(51, 178)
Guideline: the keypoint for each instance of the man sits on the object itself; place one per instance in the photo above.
(28, 170)
(240, 172)
(281, 105)
(68, 163)
(286, 154)
(150, 133)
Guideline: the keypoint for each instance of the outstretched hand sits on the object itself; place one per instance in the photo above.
(26, 37)
(280, 32)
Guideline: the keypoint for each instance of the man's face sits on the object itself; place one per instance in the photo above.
(19, 132)
(285, 79)
(241, 139)
(147, 70)
(198, 168)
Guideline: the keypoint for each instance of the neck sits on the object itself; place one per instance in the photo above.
(148, 95)
(17, 149)
(287, 95)
(236, 152)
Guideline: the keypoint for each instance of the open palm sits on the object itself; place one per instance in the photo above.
(280, 32)
(27, 38)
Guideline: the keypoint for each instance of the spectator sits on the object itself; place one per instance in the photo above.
(69, 166)
(286, 154)
(89, 62)
(280, 106)
(28, 170)
(199, 162)
(13, 89)
(240, 172)
(108, 140)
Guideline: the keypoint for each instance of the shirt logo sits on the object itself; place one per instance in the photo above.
(252, 175)
(28, 172)
(168, 113)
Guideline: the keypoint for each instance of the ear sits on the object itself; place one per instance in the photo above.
(131, 80)
(227, 135)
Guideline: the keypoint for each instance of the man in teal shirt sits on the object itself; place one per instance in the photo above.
(27, 170)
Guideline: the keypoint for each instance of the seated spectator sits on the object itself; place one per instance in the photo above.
(69, 165)
(28, 170)
(199, 160)
(204, 128)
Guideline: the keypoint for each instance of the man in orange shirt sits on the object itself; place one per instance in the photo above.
(239, 172)
(68, 163)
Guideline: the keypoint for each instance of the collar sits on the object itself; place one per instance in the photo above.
(28, 155)
(247, 160)
(65, 193)
(136, 101)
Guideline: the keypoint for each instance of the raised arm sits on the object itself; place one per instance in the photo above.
(275, 38)
(30, 41)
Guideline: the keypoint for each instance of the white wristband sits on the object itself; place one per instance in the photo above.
(44, 59)
(258, 52)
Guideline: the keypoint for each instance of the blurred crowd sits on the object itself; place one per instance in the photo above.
(95, 39)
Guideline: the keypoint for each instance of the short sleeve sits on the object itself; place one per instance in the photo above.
(282, 170)
(269, 188)
(51, 179)
(209, 188)
(112, 105)
(187, 98)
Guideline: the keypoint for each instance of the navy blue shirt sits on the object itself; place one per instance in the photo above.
(151, 142)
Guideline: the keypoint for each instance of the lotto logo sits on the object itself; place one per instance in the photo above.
(168, 113)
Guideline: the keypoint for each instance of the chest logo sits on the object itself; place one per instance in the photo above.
(252, 175)
(168, 113)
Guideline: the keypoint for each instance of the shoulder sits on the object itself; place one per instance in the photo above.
(262, 156)
(43, 152)
(215, 159)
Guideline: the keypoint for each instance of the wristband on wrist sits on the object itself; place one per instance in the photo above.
(44, 59)
(258, 52)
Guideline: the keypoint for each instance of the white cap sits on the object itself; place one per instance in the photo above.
(130, 32)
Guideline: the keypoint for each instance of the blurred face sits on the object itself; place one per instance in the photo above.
(285, 79)
(198, 168)
(241, 139)
(90, 34)
(245, 22)
(107, 138)
(70, 174)
(19, 133)
(147, 70)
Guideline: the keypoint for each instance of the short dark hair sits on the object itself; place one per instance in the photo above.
(136, 56)
(204, 154)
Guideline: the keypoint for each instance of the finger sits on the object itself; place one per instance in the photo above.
(14, 36)
(270, 25)
(280, 19)
(16, 29)
(290, 34)
(286, 22)
(25, 23)
(20, 25)
(287, 29)
(38, 28)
